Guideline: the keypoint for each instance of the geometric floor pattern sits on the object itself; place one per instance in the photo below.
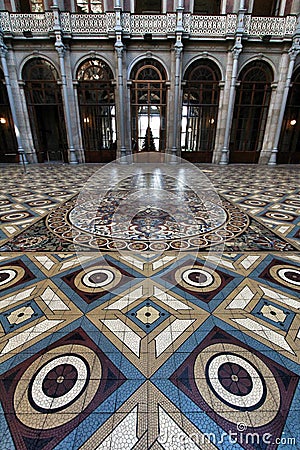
(162, 353)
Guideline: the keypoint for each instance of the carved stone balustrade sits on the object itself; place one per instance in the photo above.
(88, 24)
(206, 26)
(103, 25)
(270, 26)
(36, 23)
(152, 23)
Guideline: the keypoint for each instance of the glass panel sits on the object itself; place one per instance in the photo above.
(251, 108)
(39, 69)
(148, 116)
(90, 6)
(200, 107)
(96, 103)
(37, 6)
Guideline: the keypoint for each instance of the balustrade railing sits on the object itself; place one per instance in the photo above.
(20, 22)
(139, 24)
(197, 25)
(270, 26)
(152, 23)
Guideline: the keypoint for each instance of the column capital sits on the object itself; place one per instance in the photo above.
(119, 46)
(3, 47)
(3, 50)
(60, 47)
(178, 47)
(237, 48)
(294, 52)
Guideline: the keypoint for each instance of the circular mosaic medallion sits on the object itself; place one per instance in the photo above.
(97, 279)
(286, 275)
(253, 202)
(198, 278)
(241, 381)
(208, 224)
(235, 381)
(14, 217)
(39, 203)
(10, 275)
(293, 202)
(59, 383)
(55, 389)
(276, 215)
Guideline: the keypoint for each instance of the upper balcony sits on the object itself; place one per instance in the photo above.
(194, 26)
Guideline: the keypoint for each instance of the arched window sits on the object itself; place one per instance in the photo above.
(148, 106)
(207, 7)
(97, 110)
(8, 143)
(200, 110)
(289, 143)
(250, 112)
(45, 108)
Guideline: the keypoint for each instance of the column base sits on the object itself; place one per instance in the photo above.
(273, 158)
(173, 156)
(224, 157)
(72, 156)
(123, 156)
(23, 158)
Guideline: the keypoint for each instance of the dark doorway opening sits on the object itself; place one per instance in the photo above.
(49, 133)
(8, 142)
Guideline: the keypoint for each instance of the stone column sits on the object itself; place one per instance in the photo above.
(272, 117)
(178, 48)
(60, 48)
(21, 152)
(219, 129)
(236, 51)
(293, 54)
(176, 125)
(225, 149)
(28, 138)
(80, 141)
(119, 48)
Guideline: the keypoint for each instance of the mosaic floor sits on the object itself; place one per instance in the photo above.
(149, 335)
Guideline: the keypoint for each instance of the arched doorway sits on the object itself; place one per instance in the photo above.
(8, 142)
(45, 108)
(148, 106)
(250, 112)
(200, 110)
(289, 143)
(97, 110)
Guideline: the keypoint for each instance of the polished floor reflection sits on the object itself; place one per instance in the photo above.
(169, 323)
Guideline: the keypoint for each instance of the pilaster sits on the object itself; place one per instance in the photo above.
(3, 55)
(61, 50)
